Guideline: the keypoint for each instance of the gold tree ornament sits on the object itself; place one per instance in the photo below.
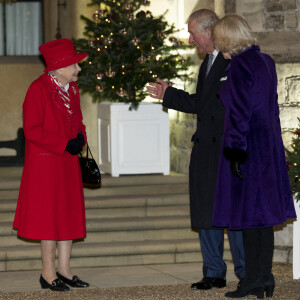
(135, 41)
(142, 59)
(99, 88)
(99, 76)
(110, 73)
(146, 2)
(97, 16)
(130, 16)
(123, 31)
(121, 92)
(161, 35)
(91, 43)
(128, 6)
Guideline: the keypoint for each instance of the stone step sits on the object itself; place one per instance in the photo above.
(12, 181)
(122, 224)
(110, 254)
(109, 213)
(129, 201)
(147, 189)
(115, 236)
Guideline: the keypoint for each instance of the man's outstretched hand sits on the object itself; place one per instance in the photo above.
(157, 90)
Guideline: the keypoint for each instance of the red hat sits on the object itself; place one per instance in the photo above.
(60, 53)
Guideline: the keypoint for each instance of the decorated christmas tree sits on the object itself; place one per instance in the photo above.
(293, 162)
(127, 48)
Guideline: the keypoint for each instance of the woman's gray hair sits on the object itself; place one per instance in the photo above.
(52, 72)
(205, 18)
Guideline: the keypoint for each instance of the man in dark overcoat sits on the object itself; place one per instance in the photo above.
(206, 150)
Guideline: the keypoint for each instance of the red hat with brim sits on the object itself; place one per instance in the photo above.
(60, 54)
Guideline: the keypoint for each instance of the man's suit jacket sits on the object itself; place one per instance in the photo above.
(207, 138)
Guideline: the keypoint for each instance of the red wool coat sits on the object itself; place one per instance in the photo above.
(51, 201)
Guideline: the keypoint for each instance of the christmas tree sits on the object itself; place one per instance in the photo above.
(293, 162)
(127, 48)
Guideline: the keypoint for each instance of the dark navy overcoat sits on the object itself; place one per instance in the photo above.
(207, 137)
(263, 198)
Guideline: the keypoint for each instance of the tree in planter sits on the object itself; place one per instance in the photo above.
(293, 162)
(127, 48)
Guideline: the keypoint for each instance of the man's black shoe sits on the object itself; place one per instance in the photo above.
(209, 282)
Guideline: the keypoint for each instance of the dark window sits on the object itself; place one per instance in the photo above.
(21, 27)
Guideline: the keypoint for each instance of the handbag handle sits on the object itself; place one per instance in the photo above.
(87, 151)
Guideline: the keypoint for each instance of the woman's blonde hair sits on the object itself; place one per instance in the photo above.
(232, 34)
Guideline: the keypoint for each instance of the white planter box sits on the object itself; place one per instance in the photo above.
(296, 243)
(133, 142)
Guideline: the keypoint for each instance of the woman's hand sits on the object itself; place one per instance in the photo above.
(157, 90)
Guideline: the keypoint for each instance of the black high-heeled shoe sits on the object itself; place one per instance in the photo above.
(74, 282)
(240, 293)
(269, 285)
(248, 288)
(56, 285)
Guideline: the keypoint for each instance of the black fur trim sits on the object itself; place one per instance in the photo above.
(235, 155)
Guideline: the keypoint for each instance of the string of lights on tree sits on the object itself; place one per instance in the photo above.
(293, 163)
(127, 48)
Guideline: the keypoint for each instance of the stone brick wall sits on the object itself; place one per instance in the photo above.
(267, 15)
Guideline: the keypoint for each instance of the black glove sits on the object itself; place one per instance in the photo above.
(80, 138)
(236, 157)
(236, 169)
(74, 146)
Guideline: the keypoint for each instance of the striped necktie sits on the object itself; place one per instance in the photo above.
(209, 63)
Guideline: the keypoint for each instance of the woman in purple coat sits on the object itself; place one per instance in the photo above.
(253, 192)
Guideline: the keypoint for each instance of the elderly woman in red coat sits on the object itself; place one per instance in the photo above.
(51, 203)
(253, 192)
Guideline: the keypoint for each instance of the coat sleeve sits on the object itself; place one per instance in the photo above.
(180, 100)
(33, 120)
(80, 125)
(239, 110)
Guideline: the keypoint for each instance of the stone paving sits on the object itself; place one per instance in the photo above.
(152, 282)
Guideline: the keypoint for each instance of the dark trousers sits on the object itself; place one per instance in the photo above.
(258, 247)
(212, 248)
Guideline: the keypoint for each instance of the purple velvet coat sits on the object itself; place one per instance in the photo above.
(263, 198)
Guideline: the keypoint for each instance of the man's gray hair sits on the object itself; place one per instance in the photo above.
(205, 18)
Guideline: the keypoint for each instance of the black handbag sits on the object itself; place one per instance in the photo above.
(90, 172)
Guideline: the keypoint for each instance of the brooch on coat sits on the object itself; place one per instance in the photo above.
(223, 78)
(74, 90)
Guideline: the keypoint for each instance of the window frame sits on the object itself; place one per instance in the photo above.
(4, 26)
